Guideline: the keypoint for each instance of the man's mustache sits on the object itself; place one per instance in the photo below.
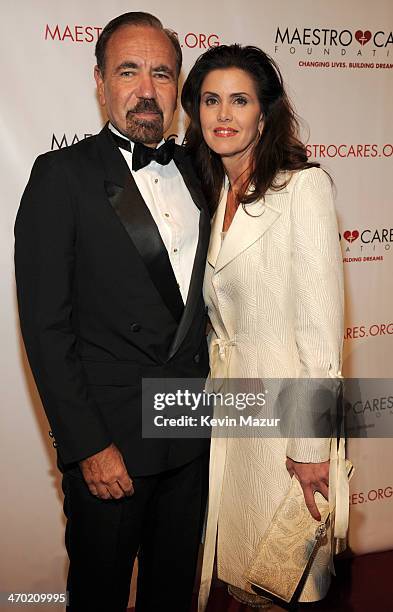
(145, 105)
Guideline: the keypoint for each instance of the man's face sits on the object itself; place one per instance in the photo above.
(139, 84)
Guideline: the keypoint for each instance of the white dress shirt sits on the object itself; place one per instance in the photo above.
(173, 210)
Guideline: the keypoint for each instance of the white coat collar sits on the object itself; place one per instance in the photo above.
(245, 229)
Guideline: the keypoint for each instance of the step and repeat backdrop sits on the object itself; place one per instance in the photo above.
(337, 61)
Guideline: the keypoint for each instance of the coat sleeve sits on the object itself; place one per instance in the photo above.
(317, 274)
(45, 238)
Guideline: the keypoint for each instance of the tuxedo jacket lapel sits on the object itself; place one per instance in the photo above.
(134, 215)
(142, 229)
(195, 289)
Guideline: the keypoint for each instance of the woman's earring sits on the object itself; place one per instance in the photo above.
(260, 128)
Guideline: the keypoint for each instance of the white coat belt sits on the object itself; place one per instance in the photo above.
(220, 356)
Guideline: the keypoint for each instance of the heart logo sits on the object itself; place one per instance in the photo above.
(351, 236)
(363, 37)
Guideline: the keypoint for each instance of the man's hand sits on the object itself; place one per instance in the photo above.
(312, 477)
(106, 475)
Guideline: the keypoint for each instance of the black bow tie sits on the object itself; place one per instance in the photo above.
(143, 155)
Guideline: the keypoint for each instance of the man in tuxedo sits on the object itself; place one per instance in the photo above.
(111, 240)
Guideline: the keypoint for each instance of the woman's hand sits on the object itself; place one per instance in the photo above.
(312, 477)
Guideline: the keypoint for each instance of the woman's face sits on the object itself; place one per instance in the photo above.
(230, 113)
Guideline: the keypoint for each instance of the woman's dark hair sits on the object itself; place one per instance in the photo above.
(279, 147)
(134, 18)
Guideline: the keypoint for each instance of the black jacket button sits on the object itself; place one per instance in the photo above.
(51, 434)
(197, 358)
(54, 444)
(135, 327)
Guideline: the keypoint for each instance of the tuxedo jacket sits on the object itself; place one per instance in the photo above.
(99, 304)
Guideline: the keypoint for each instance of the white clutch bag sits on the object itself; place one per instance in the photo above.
(286, 552)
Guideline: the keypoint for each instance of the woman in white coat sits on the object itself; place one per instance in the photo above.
(274, 290)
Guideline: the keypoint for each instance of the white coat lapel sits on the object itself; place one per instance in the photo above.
(246, 228)
(216, 229)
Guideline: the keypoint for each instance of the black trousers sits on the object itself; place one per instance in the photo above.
(161, 523)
